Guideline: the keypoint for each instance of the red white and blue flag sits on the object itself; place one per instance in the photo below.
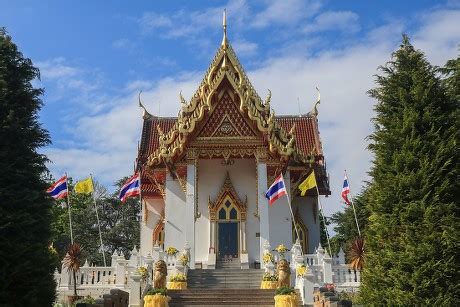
(276, 190)
(59, 189)
(131, 188)
(345, 190)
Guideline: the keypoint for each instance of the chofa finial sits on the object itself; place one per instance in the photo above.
(224, 25)
(145, 114)
(314, 111)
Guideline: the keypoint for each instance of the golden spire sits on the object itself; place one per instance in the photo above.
(224, 24)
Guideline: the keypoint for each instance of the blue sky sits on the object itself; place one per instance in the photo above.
(95, 56)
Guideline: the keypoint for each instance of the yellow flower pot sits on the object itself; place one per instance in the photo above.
(156, 300)
(176, 285)
(291, 300)
(265, 284)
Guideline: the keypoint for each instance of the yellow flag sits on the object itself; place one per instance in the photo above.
(84, 186)
(307, 184)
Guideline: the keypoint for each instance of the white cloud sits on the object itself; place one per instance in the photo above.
(285, 12)
(343, 21)
(56, 68)
(244, 48)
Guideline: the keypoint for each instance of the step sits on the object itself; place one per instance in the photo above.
(221, 297)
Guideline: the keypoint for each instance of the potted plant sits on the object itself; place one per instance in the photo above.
(269, 281)
(281, 249)
(171, 251)
(183, 259)
(301, 270)
(72, 262)
(286, 297)
(156, 298)
(177, 282)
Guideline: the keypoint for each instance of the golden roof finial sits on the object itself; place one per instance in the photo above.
(224, 24)
(314, 112)
(146, 115)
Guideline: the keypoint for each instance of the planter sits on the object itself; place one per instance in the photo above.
(176, 285)
(287, 300)
(156, 300)
(265, 284)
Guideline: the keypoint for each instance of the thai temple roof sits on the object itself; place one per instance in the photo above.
(227, 115)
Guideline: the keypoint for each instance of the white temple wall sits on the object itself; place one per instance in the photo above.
(211, 177)
(154, 207)
(280, 220)
(308, 210)
(174, 214)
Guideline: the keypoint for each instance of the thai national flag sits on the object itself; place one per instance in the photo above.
(276, 190)
(130, 188)
(345, 190)
(59, 189)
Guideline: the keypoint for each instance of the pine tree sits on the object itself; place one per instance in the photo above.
(26, 271)
(413, 234)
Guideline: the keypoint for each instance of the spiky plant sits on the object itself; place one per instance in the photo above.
(357, 254)
(72, 263)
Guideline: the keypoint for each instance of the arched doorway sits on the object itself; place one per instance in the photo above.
(227, 230)
(227, 223)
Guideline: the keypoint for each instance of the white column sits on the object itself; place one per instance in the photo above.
(190, 210)
(263, 206)
(175, 214)
(243, 237)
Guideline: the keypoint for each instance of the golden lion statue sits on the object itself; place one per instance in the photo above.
(159, 276)
(284, 274)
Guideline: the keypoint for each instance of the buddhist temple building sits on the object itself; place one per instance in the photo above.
(206, 171)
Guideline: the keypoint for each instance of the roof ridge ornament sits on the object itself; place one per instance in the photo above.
(224, 25)
(314, 111)
(145, 115)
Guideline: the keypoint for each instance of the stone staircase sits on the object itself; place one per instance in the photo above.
(228, 286)
(221, 297)
(225, 279)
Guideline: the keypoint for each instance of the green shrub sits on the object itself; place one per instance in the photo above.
(284, 291)
(160, 291)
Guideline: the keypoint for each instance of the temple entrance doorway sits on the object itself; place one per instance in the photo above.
(227, 231)
(228, 240)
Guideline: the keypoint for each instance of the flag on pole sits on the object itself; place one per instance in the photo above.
(307, 184)
(59, 189)
(345, 190)
(84, 186)
(276, 190)
(131, 188)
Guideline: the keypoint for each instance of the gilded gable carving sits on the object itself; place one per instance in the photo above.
(226, 121)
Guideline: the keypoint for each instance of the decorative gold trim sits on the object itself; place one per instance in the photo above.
(227, 191)
(159, 187)
(173, 143)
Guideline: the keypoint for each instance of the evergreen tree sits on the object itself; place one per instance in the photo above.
(413, 234)
(26, 270)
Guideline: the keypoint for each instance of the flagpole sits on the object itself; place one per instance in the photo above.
(292, 213)
(68, 206)
(352, 204)
(324, 219)
(98, 222)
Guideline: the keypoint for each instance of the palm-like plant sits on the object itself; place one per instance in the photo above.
(357, 254)
(72, 263)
